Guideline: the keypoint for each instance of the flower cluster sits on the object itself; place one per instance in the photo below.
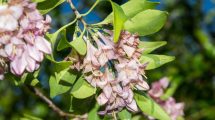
(22, 32)
(170, 106)
(115, 68)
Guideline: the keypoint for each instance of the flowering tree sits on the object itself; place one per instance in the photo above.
(107, 60)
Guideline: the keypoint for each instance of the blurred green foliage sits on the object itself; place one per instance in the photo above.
(190, 34)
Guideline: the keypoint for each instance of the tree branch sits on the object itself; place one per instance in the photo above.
(78, 15)
(56, 109)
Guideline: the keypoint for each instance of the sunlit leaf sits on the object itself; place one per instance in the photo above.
(30, 117)
(93, 113)
(47, 5)
(53, 37)
(119, 19)
(124, 115)
(38, 1)
(82, 89)
(151, 108)
(67, 75)
(63, 43)
(59, 66)
(131, 8)
(56, 88)
(146, 22)
(155, 61)
(148, 47)
(79, 45)
(34, 82)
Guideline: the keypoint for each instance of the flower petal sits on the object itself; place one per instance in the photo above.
(43, 45)
(101, 99)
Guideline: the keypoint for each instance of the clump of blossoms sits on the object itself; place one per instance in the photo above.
(22, 40)
(115, 68)
(170, 106)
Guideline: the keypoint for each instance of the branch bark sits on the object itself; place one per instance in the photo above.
(56, 109)
(78, 15)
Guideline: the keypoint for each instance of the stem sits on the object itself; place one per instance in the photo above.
(114, 115)
(94, 5)
(56, 109)
(78, 15)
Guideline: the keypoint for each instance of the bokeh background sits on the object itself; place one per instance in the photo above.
(190, 33)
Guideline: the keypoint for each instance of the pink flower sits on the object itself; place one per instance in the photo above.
(22, 39)
(157, 89)
(95, 79)
(130, 72)
(128, 45)
(90, 60)
(170, 106)
(115, 69)
(173, 109)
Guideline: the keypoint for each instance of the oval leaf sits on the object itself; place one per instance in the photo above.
(151, 22)
(131, 8)
(119, 19)
(151, 108)
(82, 89)
(155, 61)
(47, 5)
(148, 47)
(93, 113)
(124, 115)
(79, 45)
(56, 88)
(59, 66)
(63, 43)
(53, 37)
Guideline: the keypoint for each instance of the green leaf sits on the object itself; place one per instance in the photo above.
(82, 89)
(119, 19)
(47, 5)
(151, 108)
(30, 117)
(131, 8)
(82, 106)
(124, 115)
(63, 43)
(38, 1)
(29, 78)
(79, 45)
(139, 117)
(56, 88)
(67, 75)
(151, 21)
(34, 82)
(93, 113)
(155, 61)
(205, 41)
(150, 46)
(59, 66)
(53, 37)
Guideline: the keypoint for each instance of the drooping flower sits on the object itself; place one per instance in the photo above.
(115, 98)
(116, 69)
(128, 45)
(157, 89)
(170, 106)
(22, 39)
(131, 72)
(173, 109)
